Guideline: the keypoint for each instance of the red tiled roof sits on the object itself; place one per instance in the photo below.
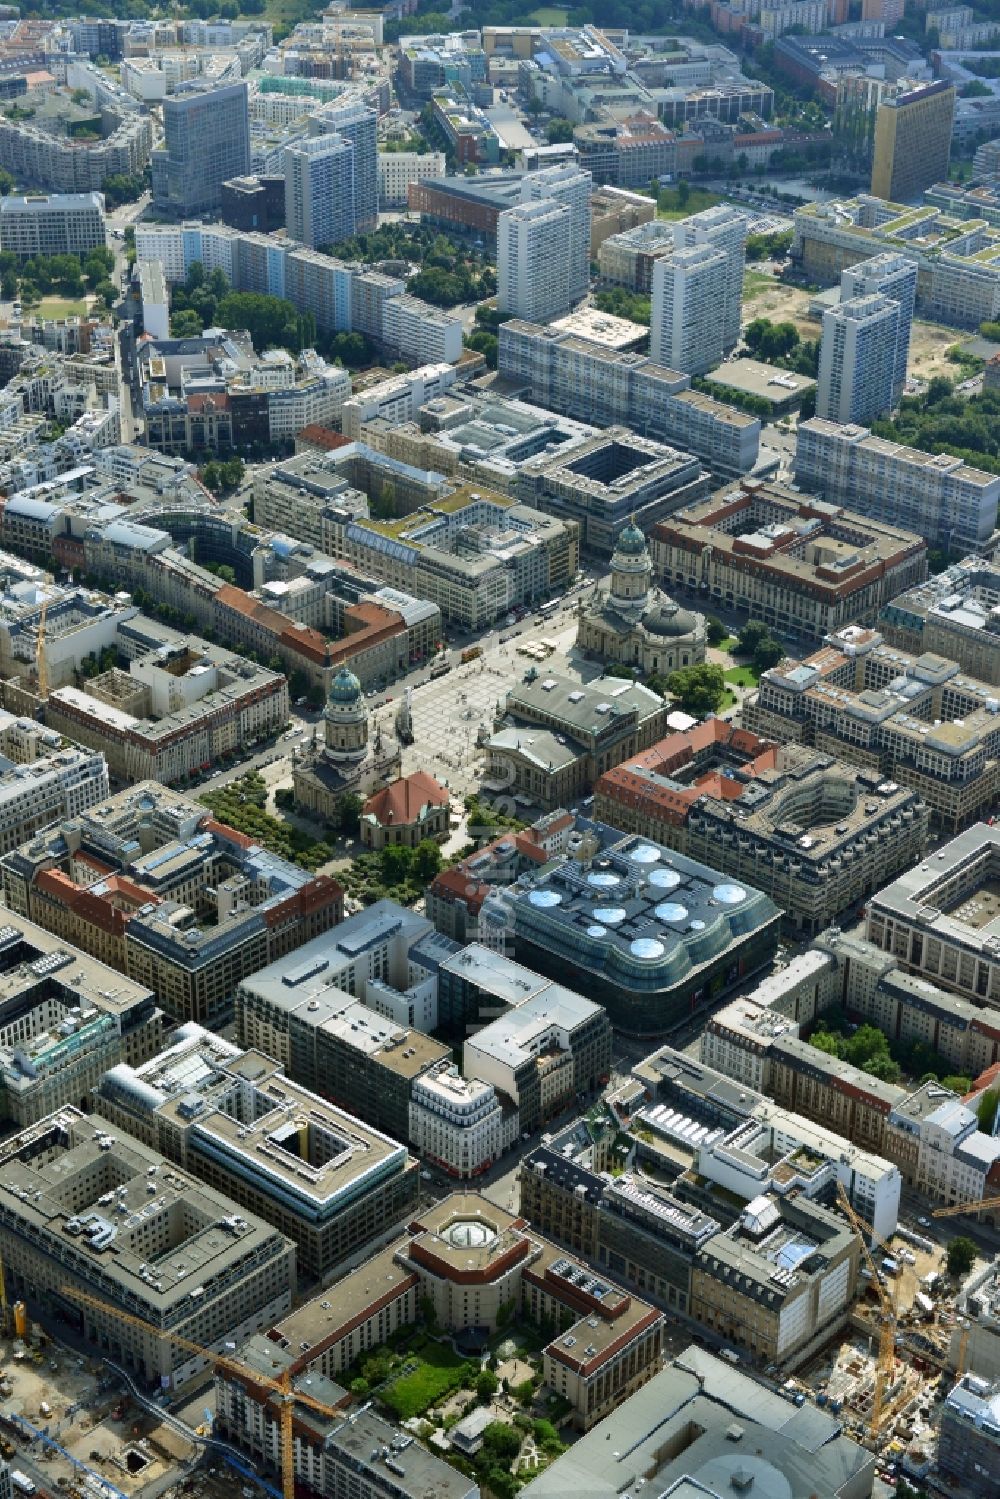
(322, 437)
(406, 800)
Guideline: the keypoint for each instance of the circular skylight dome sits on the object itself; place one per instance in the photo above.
(597, 930)
(602, 879)
(669, 910)
(697, 926)
(664, 879)
(647, 947)
(610, 914)
(645, 854)
(545, 898)
(469, 1233)
(729, 895)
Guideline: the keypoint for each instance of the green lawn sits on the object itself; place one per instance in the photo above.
(439, 1370)
(755, 281)
(728, 645)
(741, 676)
(728, 701)
(549, 15)
(671, 206)
(55, 307)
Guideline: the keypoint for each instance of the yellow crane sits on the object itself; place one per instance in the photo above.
(41, 665)
(287, 1397)
(887, 1327)
(967, 1207)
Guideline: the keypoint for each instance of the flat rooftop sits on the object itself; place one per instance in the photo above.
(766, 381)
(82, 1191)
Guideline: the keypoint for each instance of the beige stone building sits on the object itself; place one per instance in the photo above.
(634, 624)
(346, 763)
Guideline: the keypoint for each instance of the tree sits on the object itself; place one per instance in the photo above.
(426, 860)
(349, 813)
(484, 343)
(185, 324)
(698, 689)
(750, 637)
(767, 654)
(715, 630)
(486, 1386)
(961, 1256)
(7, 183)
(501, 1443)
(395, 860)
(683, 192)
(559, 131)
(825, 1041)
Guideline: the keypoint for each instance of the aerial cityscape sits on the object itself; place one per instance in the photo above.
(500, 749)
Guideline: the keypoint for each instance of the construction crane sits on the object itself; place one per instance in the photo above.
(287, 1397)
(41, 665)
(967, 1207)
(887, 1327)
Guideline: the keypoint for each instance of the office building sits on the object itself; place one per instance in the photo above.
(975, 1339)
(522, 556)
(460, 1124)
(895, 277)
(698, 1426)
(206, 141)
(609, 387)
(150, 883)
(180, 706)
(687, 331)
(817, 835)
(65, 1019)
(567, 185)
(544, 1052)
(398, 170)
(954, 614)
(329, 1182)
(533, 250)
(719, 1130)
(939, 919)
(723, 229)
(610, 483)
(649, 933)
(347, 1015)
(56, 782)
(319, 190)
(913, 141)
(857, 359)
(804, 566)
(969, 1441)
(253, 203)
(472, 1259)
(933, 495)
(134, 1232)
(54, 224)
(917, 720)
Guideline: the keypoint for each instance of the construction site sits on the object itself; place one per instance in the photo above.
(74, 1426)
(903, 1351)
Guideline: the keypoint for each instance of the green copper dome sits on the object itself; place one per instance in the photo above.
(345, 689)
(631, 540)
